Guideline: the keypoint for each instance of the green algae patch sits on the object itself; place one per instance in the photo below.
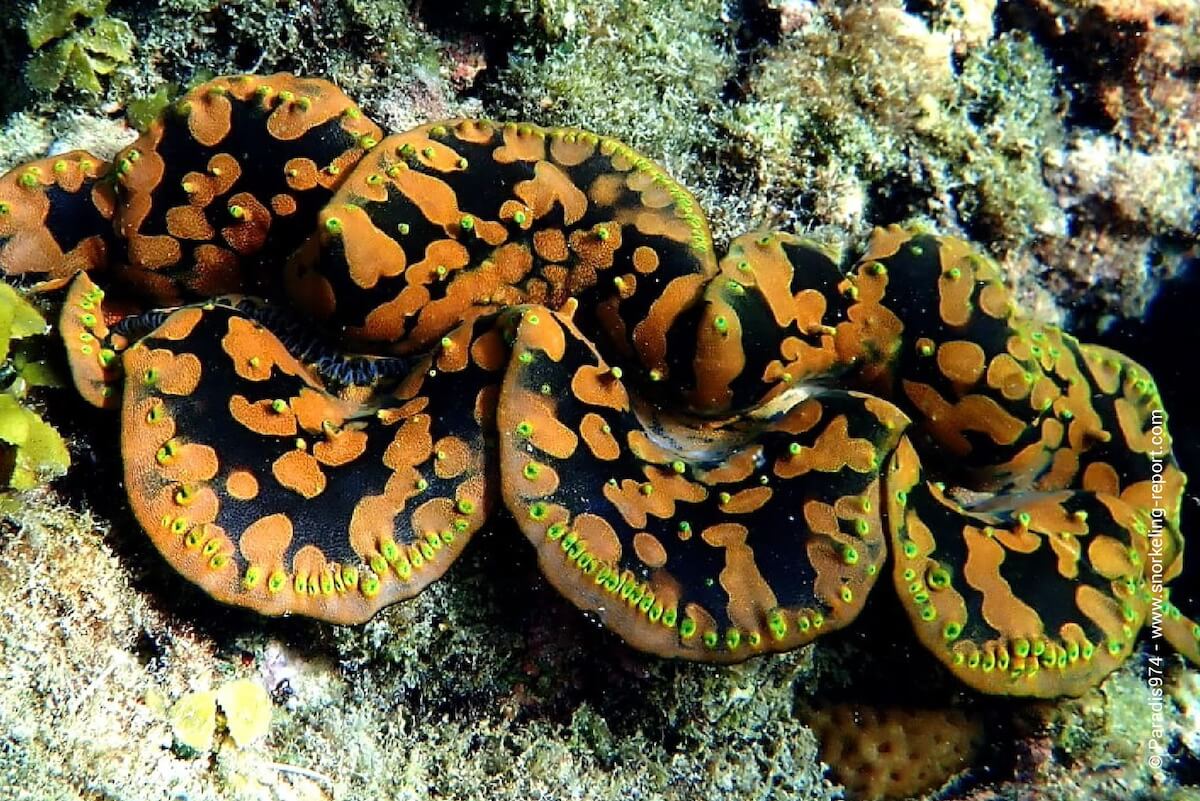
(35, 451)
(53, 19)
(18, 319)
(31, 451)
(142, 111)
(67, 55)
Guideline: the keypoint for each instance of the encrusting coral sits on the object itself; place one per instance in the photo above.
(894, 752)
(244, 702)
(712, 456)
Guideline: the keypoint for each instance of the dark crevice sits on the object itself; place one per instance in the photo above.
(491, 27)
(1185, 767)
(1159, 342)
(896, 195)
(14, 53)
(1087, 51)
(756, 34)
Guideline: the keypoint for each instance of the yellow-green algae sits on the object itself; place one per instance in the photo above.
(71, 55)
(31, 451)
(143, 110)
(52, 19)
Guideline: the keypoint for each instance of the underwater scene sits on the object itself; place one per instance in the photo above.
(621, 399)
